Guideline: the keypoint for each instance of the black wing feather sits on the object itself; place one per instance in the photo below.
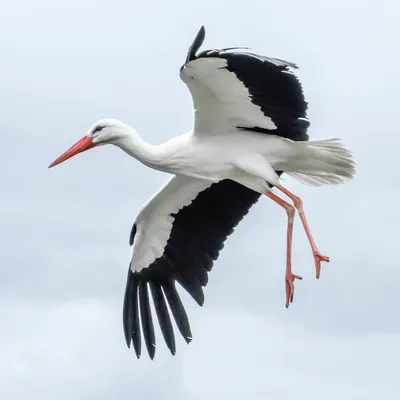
(275, 90)
(147, 320)
(197, 43)
(197, 237)
(177, 309)
(164, 319)
(272, 87)
(131, 313)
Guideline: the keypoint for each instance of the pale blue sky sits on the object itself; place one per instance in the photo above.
(65, 231)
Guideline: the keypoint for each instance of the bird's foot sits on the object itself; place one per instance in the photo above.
(289, 282)
(318, 257)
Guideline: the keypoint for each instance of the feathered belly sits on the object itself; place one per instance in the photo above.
(212, 168)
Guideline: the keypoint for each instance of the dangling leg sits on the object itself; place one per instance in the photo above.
(298, 203)
(289, 277)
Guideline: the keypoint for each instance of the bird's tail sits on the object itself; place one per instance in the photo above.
(322, 162)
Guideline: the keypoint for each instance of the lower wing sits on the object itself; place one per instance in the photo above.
(176, 237)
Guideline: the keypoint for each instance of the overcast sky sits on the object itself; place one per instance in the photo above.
(64, 232)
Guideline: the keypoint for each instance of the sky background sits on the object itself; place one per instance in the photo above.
(64, 232)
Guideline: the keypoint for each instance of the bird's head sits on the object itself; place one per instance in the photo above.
(104, 131)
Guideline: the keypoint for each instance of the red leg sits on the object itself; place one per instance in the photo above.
(289, 276)
(298, 203)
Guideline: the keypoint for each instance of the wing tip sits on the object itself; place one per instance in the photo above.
(163, 316)
(188, 339)
(197, 43)
(137, 295)
(137, 344)
(172, 351)
(152, 351)
(200, 300)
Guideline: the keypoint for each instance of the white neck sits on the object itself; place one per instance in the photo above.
(136, 147)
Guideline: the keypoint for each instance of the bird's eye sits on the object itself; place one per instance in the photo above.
(98, 128)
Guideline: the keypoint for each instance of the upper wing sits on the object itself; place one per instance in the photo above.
(177, 237)
(242, 90)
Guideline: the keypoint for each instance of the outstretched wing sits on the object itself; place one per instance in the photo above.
(233, 90)
(177, 237)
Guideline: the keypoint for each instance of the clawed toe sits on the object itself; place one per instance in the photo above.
(289, 283)
(318, 257)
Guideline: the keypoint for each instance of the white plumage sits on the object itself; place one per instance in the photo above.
(220, 100)
(154, 222)
(250, 126)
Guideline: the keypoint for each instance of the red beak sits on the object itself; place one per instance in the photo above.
(83, 144)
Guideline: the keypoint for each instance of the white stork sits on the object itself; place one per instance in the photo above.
(250, 127)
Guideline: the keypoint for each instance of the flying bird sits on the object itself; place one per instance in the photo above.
(250, 127)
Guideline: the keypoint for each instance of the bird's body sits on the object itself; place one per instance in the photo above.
(208, 157)
(250, 126)
(249, 158)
